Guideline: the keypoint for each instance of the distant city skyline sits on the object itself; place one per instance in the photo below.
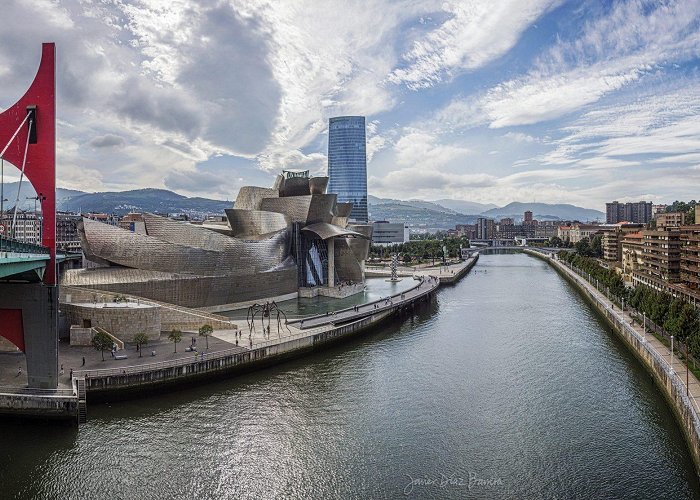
(556, 101)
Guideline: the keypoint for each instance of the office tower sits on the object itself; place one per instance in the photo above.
(347, 163)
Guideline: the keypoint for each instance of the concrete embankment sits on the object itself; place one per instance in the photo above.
(130, 381)
(653, 355)
(41, 404)
(118, 382)
(143, 379)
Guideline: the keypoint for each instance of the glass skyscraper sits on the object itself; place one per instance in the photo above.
(347, 163)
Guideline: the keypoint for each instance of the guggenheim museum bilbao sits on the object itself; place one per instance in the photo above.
(276, 242)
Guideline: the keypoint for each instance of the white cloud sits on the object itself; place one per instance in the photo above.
(418, 148)
(612, 52)
(476, 32)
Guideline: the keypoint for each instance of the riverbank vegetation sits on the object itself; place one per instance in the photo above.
(670, 315)
(418, 251)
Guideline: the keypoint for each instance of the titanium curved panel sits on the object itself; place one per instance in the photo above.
(223, 255)
(296, 207)
(360, 247)
(318, 185)
(250, 197)
(340, 221)
(295, 186)
(325, 231)
(321, 208)
(347, 266)
(140, 251)
(343, 209)
(255, 222)
(183, 233)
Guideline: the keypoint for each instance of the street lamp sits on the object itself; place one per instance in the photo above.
(671, 352)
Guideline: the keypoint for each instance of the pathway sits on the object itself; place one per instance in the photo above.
(678, 366)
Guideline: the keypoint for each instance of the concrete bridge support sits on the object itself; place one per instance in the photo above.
(30, 313)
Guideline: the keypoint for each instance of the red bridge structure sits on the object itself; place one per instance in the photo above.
(29, 307)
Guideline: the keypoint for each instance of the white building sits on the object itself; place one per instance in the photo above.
(389, 233)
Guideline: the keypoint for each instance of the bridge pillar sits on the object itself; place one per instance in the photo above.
(38, 323)
(38, 303)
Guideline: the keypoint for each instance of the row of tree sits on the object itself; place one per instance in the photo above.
(605, 277)
(674, 315)
(677, 317)
(420, 250)
(102, 342)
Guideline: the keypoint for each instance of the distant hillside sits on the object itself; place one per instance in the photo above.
(429, 205)
(465, 207)
(546, 211)
(444, 205)
(143, 200)
(418, 216)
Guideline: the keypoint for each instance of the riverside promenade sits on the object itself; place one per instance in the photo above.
(252, 348)
(678, 384)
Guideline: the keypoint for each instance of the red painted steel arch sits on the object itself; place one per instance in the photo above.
(40, 166)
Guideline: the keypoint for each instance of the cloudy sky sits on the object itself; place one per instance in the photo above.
(487, 101)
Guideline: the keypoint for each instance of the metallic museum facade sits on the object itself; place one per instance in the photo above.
(276, 240)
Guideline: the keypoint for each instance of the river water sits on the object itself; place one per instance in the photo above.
(506, 386)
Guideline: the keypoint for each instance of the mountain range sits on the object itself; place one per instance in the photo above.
(120, 203)
(439, 214)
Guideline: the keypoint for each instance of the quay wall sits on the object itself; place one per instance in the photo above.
(673, 390)
(133, 380)
(106, 384)
(446, 279)
(55, 406)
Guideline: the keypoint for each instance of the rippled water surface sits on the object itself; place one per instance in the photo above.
(507, 386)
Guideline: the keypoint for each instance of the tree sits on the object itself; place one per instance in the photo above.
(102, 342)
(583, 247)
(175, 336)
(140, 339)
(555, 242)
(597, 246)
(205, 331)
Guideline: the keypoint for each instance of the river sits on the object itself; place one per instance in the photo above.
(507, 385)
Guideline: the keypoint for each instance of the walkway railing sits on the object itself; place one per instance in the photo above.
(16, 246)
(367, 308)
(245, 348)
(614, 315)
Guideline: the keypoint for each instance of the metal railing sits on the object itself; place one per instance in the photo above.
(388, 303)
(243, 349)
(16, 246)
(615, 316)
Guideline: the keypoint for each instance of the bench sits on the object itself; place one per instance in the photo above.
(120, 356)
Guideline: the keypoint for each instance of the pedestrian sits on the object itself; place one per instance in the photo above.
(61, 368)
(236, 341)
(83, 361)
(19, 372)
(71, 374)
